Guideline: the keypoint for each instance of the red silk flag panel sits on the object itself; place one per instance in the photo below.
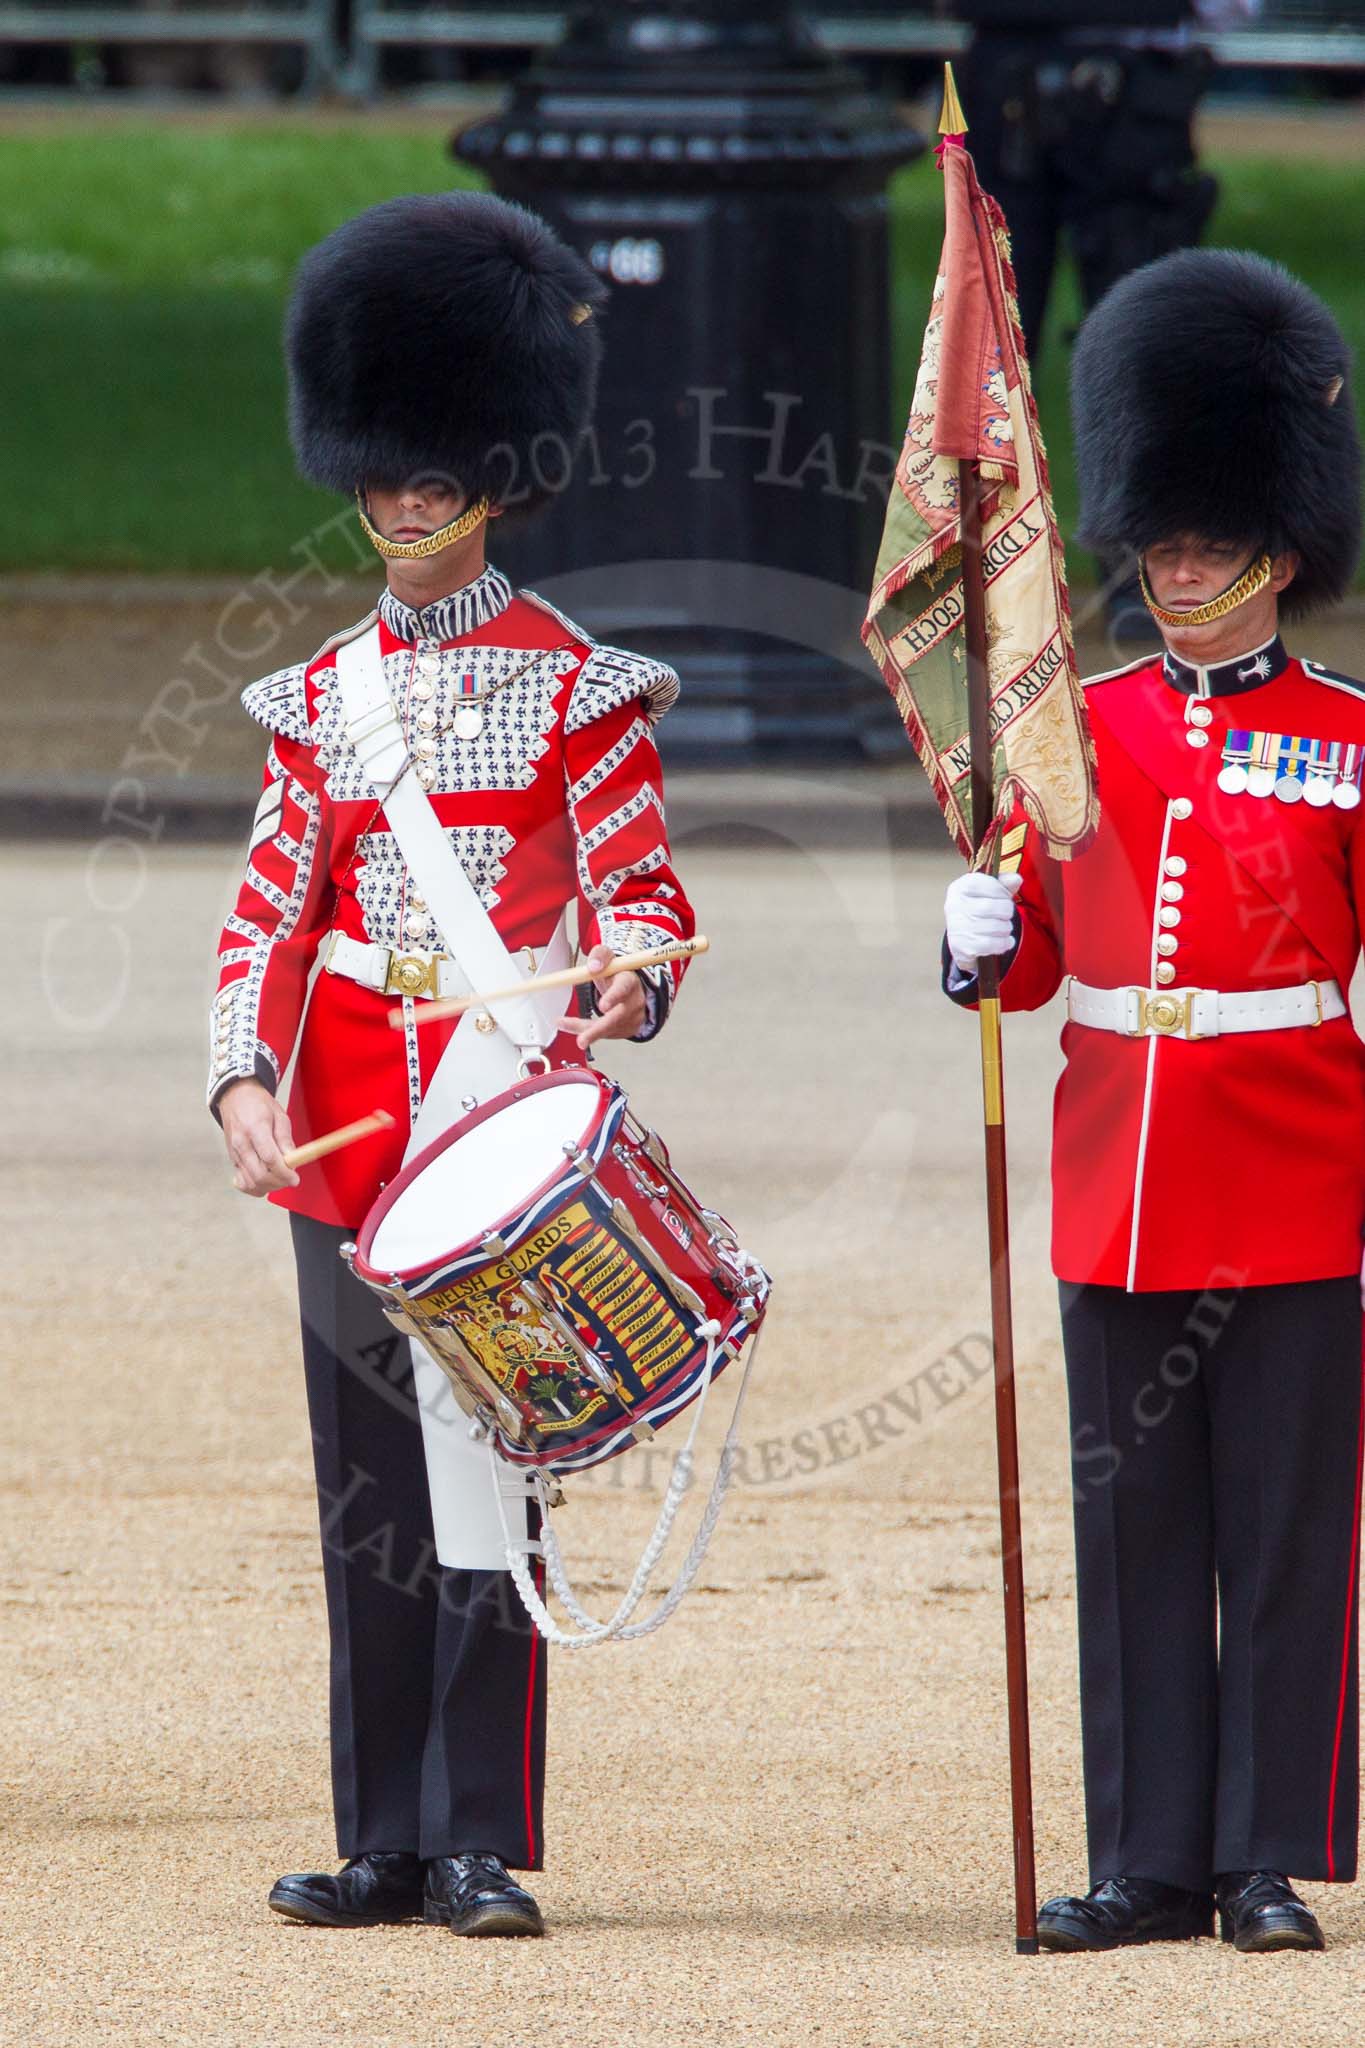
(973, 403)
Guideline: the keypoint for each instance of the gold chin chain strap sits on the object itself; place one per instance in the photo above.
(430, 543)
(1249, 584)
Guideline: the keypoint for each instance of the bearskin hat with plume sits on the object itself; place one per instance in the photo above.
(1211, 395)
(450, 335)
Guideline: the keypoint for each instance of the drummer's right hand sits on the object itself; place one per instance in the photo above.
(978, 912)
(258, 1135)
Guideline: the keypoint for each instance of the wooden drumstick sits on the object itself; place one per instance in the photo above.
(333, 1141)
(562, 977)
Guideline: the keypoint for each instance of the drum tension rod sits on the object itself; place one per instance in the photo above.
(670, 1189)
(625, 1223)
(540, 1298)
(649, 1141)
(656, 1191)
(470, 1379)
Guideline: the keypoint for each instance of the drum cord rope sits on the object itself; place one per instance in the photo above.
(678, 1483)
(614, 1628)
(620, 1628)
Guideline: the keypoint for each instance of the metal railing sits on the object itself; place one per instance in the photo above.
(1314, 35)
(307, 25)
(1297, 35)
(376, 27)
(1301, 40)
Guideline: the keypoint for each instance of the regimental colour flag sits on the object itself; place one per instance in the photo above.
(973, 403)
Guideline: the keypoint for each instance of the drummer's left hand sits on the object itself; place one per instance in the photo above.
(621, 1003)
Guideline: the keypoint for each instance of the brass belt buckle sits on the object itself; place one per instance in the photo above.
(1167, 1012)
(410, 975)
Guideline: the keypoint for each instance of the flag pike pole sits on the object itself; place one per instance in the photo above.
(998, 1237)
(972, 464)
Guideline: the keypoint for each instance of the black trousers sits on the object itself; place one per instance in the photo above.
(1216, 1443)
(438, 1676)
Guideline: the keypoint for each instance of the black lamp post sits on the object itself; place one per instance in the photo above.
(728, 180)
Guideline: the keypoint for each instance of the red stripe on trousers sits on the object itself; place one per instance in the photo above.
(539, 1569)
(1346, 1639)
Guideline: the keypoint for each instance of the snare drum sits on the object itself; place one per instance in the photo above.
(570, 1285)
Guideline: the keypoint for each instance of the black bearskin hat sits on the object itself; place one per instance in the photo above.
(1211, 395)
(448, 334)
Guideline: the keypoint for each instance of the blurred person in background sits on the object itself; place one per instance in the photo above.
(1082, 123)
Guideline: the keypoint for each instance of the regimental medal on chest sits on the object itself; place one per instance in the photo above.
(1292, 767)
(475, 717)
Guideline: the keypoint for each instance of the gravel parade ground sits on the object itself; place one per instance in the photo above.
(783, 1820)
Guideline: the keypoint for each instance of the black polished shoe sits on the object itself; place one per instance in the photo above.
(369, 1891)
(1122, 1912)
(1260, 1912)
(475, 1895)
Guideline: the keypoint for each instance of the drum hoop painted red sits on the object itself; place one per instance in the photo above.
(611, 1105)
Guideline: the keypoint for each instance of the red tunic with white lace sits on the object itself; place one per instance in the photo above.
(1238, 1155)
(558, 798)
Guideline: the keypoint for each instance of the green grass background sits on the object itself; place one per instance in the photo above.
(143, 270)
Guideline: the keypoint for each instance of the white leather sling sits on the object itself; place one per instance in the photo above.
(468, 1529)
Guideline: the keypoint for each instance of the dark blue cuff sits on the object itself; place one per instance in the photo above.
(967, 994)
(658, 989)
(658, 995)
(264, 1073)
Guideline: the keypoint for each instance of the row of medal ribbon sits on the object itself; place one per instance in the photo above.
(1317, 772)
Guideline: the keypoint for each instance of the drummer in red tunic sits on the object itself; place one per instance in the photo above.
(432, 342)
(1209, 1129)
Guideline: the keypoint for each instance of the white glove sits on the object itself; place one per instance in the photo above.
(979, 914)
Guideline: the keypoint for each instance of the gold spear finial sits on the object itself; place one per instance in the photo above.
(952, 121)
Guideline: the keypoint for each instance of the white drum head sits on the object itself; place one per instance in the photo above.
(471, 1186)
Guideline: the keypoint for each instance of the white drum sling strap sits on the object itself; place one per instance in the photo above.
(375, 732)
(468, 1520)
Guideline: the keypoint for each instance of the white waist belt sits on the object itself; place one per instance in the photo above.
(401, 974)
(1202, 1012)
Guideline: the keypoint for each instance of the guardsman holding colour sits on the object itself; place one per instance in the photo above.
(1209, 1128)
(436, 345)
